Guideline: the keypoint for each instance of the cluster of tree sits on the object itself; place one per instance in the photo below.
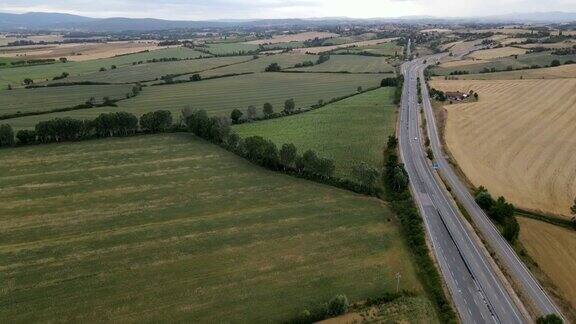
(324, 57)
(316, 42)
(273, 67)
(565, 51)
(64, 75)
(105, 125)
(459, 72)
(500, 211)
(398, 91)
(32, 62)
(549, 319)
(389, 82)
(438, 94)
(398, 196)
(304, 64)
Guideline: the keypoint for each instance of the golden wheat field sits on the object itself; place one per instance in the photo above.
(554, 249)
(493, 53)
(518, 140)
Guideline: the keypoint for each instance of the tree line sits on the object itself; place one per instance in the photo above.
(105, 125)
(500, 211)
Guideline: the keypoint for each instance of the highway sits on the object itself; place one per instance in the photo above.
(478, 293)
(524, 280)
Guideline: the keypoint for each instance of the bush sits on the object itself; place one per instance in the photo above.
(157, 121)
(337, 305)
(555, 63)
(274, 67)
(235, 115)
(26, 136)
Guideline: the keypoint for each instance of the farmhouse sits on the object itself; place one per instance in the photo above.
(458, 96)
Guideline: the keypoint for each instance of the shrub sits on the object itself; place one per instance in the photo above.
(337, 305)
(235, 115)
(26, 136)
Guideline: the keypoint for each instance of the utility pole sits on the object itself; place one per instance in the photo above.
(398, 276)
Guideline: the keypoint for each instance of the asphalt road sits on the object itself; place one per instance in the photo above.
(478, 293)
(528, 285)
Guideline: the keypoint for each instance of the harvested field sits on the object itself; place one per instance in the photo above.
(352, 64)
(14, 76)
(554, 249)
(80, 52)
(518, 140)
(493, 53)
(512, 40)
(45, 99)
(292, 38)
(221, 96)
(349, 132)
(154, 71)
(321, 49)
(463, 62)
(172, 228)
(565, 44)
(436, 30)
(558, 72)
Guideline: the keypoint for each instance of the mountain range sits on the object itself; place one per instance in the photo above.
(61, 21)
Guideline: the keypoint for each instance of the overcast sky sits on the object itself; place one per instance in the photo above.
(241, 9)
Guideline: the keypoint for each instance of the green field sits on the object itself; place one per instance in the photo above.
(152, 71)
(388, 49)
(501, 64)
(260, 64)
(39, 73)
(293, 44)
(168, 228)
(350, 131)
(231, 48)
(221, 96)
(352, 64)
(45, 99)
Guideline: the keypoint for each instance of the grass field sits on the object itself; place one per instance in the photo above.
(352, 64)
(231, 48)
(221, 96)
(44, 99)
(493, 53)
(554, 249)
(15, 76)
(349, 132)
(151, 71)
(344, 44)
(517, 140)
(170, 228)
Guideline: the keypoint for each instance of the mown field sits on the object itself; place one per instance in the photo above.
(259, 65)
(171, 228)
(558, 72)
(221, 96)
(153, 71)
(349, 132)
(45, 99)
(231, 48)
(15, 76)
(517, 140)
(554, 249)
(541, 59)
(487, 54)
(388, 49)
(352, 64)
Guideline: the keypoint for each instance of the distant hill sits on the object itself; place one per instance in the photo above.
(60, 21)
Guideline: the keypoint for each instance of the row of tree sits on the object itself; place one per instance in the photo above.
(105, 125)
(500, 211)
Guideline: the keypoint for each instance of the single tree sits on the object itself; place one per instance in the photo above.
(28, 81)
(289, 106)
(288, 155)
(235, 115)
(251, 112)
(267, 109)
(195, 77)
(6, 135)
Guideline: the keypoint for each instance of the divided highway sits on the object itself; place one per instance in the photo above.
(528, 285)
(478, 293)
